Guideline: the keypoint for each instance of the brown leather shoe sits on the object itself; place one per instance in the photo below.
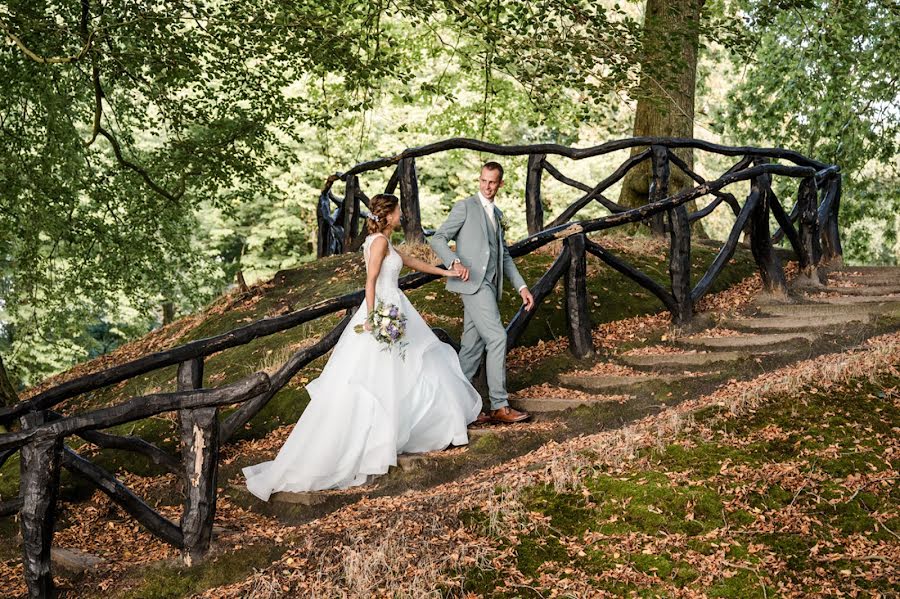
(507, 415)
(483, 418)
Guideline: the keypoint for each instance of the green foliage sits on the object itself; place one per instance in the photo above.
(121, 121)
(823, 80)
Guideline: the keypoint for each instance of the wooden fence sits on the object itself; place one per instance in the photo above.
(40, 432)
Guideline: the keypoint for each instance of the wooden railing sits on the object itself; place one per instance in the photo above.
(815, 238)
(42, 432)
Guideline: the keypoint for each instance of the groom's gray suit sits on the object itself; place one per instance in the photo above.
(480, 247)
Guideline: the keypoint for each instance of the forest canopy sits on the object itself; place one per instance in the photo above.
(151, 151)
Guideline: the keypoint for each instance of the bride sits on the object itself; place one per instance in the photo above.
(371, 401)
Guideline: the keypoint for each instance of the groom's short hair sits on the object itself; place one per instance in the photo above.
(494, 166)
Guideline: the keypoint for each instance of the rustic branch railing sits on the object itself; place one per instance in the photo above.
(332, 228)
(811, 228)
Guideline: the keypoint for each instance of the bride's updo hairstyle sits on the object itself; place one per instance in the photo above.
(380, 207)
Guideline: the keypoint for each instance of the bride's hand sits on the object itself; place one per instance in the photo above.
(367, 326)
(451, 273)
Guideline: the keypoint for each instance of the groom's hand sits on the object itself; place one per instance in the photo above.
(461, 271)
(527, 298)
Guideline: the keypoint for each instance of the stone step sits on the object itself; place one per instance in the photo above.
(72, 563)
(849, 300)
(412, 461)
(681, 360)
(886, 280)
(302, 498)
(874, 268)
(818, 309)
(552, 404)
(796, 323)
(405, 461)
(867, 271)
(483, 431)
(748, 341)
(864, 290)
(606, 382)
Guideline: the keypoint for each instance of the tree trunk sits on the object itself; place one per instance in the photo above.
(241, 282)
(665, 106)
(168, 310)
(8, 395)
(411, 213)
(534, 210)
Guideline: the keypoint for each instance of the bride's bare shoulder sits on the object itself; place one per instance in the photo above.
(377, 242)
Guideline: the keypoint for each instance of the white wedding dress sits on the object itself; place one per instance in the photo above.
(370, 404)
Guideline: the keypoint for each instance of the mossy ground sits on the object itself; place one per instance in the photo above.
(800, 495)
(170, 581)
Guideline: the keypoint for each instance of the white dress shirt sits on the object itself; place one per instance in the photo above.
(488, 206)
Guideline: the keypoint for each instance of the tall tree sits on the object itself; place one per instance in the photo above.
(668, 81)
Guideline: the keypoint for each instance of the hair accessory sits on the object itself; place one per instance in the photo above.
(372, 217)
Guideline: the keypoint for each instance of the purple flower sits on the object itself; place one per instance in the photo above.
(394, 312)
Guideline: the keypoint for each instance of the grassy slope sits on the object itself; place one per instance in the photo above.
(764, 496)
(613, 297)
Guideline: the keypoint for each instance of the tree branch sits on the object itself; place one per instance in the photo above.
(47, 60)
(117, 149)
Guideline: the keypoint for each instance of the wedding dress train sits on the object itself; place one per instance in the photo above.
(370, 404)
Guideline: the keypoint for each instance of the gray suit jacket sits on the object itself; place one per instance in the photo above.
(469, 226)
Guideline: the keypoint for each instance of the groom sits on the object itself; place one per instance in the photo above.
(481, 259)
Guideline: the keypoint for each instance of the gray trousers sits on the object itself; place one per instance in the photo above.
(483, 330)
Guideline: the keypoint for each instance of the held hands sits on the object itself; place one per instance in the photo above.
(527, 299)
(461, 271)
(458, 270)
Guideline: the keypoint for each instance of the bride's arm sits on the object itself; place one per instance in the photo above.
(422, 266)
(377, 252)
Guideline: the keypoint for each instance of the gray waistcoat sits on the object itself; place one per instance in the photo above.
(490, 273)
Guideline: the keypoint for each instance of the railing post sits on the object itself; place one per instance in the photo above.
(534, 210)
(659, 186)
(811, 249)
(578, 315)
(199, 428)
(350, 212)
(540, 291)
(411, 215)
(325, 238)
(832, 252)
(38, 488)
(392, 183)
(770, 270)
(680, 263)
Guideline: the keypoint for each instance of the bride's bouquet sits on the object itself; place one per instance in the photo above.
(388, 326)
